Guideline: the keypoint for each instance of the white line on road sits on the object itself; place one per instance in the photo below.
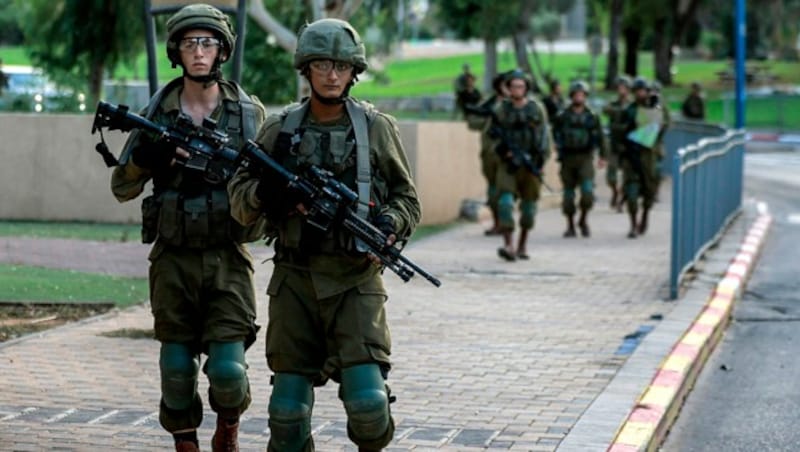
(60, 416)
(144, 419)
(16, 415)
(102, 417)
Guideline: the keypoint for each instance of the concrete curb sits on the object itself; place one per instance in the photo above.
(658, 406)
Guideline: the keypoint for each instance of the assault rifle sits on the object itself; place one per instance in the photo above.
(518, 158)
(330, 202)
(204, 143)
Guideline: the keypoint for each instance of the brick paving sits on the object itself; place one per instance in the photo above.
(502, 356)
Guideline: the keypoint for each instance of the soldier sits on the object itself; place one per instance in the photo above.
(201, 275)
(577, 133)
(656, 102)
(694, 106)
(489, 158)
(554, 102)
(614, 110)
(643, 125)
(467, 94)
(326, 307)
(522, 140)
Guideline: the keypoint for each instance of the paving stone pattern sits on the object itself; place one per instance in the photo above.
(502, 356)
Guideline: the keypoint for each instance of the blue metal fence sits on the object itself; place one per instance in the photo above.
(706, 197)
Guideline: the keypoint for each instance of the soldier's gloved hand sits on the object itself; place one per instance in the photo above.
(153, 156)
(385, 224)
(277, 200)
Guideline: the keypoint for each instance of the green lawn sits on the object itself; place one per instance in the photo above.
(26, 283)
(71, 230)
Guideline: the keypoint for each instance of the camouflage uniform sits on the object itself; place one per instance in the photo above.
(326, 306)
(615, 112)
(201, 275)
(577, 134)
(525, 129)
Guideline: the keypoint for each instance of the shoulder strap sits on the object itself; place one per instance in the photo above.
(150, 110)
(290, 134)
(248, 114)
(358, 117)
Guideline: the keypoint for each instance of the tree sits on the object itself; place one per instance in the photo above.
(76, 41)
(614, 29)
(10, 31)
(669, 25)
(487, 20)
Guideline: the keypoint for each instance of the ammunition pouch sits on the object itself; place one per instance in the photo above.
(197, 221)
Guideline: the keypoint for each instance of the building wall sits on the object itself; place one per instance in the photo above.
(51, 171)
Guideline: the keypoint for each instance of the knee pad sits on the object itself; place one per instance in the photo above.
(179, 366)
(227, 374)
(505, 209)
(631, 191)
(491, 195)
(366, 402)
(528, 214)
(587, 187)
(290, 412)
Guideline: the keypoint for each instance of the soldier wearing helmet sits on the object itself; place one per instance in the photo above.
(554, 100)
(643, 125)
(613, 110)
(693, 106)
(347, 341)
(201, 275)
(521, 139)
(578, 134)
(489, 158)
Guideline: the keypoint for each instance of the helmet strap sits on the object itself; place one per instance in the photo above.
(213, 76)
(331, 100)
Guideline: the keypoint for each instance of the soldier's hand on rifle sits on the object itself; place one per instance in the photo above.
(181, 153)
(601, 162)
(385, 224)
(153, 156)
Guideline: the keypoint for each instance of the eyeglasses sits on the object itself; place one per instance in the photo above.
(325, 66)
(205, 43)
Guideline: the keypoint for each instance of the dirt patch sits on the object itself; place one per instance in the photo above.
(18, 319)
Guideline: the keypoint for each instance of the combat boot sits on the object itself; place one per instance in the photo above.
(186, 446)
(614, 197)
(643, 222)
(632, 232)
(583, 224)
(570, 232)
(225, 438)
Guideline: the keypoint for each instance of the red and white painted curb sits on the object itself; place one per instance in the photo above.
(656, 409)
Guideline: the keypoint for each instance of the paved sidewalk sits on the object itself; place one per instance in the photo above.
(502, 356)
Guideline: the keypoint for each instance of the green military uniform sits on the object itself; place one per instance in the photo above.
(553, 103)
(577, 135)
(639, 163)
(526, 130)
(659, 147)
(615, 111)
(489, 158)
(694, 107)
(201, 276)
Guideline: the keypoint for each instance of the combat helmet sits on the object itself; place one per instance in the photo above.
(578, 85)
(623, 80)
(639, 83)
(332, 39)
(518, 74)
(201, 16)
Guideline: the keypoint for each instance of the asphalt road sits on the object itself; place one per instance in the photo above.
(747, 397)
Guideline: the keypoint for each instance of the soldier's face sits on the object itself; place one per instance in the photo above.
(199, 48)
(517, 89)
(330, 79)
(622, 90)
(578, 98)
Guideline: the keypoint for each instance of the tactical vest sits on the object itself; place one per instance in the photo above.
(616, 121)
(524, 127)
(577, 130)
(342, 149)
(187, 210)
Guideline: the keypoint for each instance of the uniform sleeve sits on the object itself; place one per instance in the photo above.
(600, 143)
(245, 205)
(128, 179)
(401, 203)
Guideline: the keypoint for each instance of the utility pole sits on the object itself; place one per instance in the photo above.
(740, 31)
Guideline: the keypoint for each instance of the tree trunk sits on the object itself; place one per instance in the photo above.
(633, 36)
(662, 51)
(95, 83)
(490, 63)
(520, 39)
(283, 36)
(612, 65)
